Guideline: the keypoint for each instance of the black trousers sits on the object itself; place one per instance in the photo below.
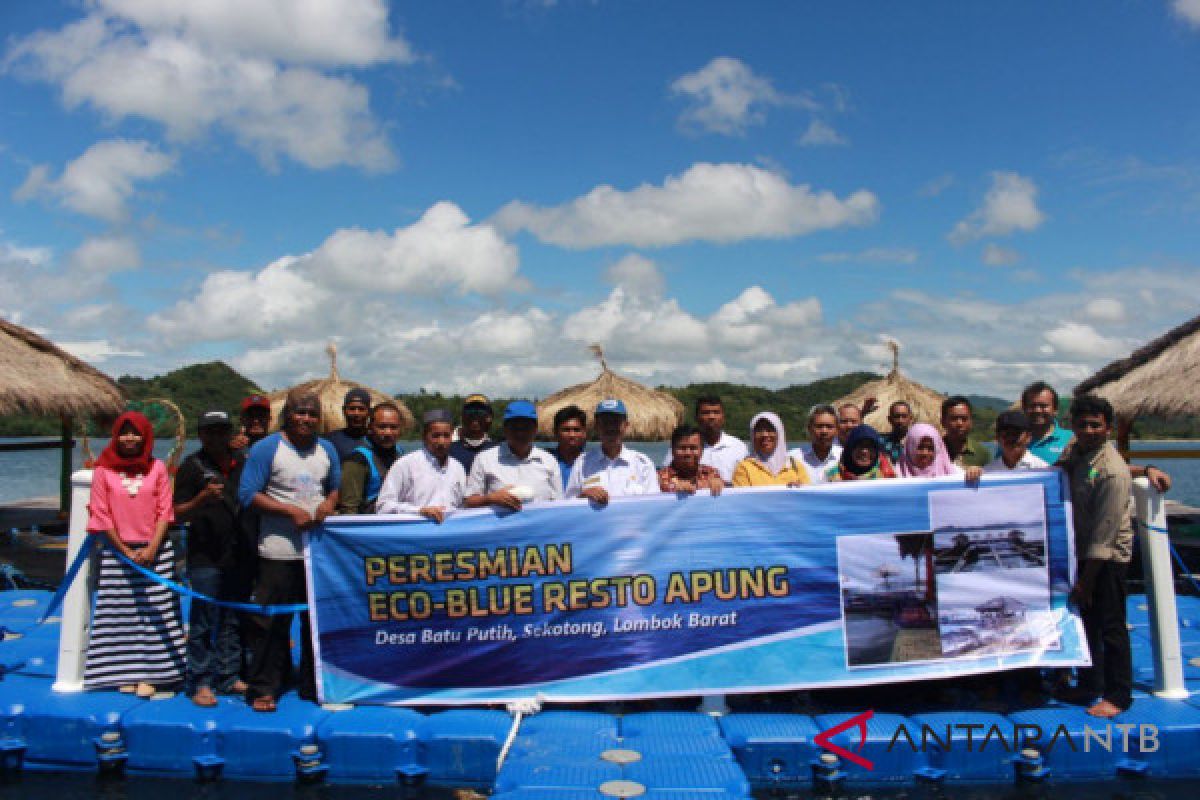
(1111, 673)
(270, 668)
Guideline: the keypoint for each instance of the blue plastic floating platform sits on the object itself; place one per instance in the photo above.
(577, 754)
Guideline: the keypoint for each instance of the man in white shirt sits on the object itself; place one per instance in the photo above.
(612, 469)
(428, 482)
(822, 450)
(721, 451)
(1013, 435)
(516, 472)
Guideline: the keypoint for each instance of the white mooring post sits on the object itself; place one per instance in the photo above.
(77, 605)
(1160, 591)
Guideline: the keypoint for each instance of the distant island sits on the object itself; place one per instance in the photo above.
(200, 387)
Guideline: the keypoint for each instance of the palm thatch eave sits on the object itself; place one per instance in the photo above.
(1157, 379)
(926, 404)
(331, 391)
(38, 377)
(652, 414)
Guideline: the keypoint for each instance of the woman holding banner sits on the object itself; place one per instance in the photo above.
(862, 458)
(768, 463)
(137, 642)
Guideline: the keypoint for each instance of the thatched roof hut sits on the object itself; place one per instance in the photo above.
(926, 404)
(37, 377)
(332, 391)
(652, 414)
(1159, 379)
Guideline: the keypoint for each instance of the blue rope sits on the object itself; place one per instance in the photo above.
(1174, 553)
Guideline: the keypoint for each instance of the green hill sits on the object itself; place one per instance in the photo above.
(195, 389)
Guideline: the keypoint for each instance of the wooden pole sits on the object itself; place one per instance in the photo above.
(64, 476)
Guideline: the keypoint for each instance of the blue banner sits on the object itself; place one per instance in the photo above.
(755, 590)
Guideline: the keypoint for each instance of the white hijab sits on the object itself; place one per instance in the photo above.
(778, 460)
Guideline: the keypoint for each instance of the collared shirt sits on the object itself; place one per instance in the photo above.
(724, 456)
(815, 466)
(974, 453)
(564, 465)
(1051, 446)
(1100, 491)
(417, 480)
(752, 472)
(630, 473)
(500, 468)
(667, 476)
(1027, 461)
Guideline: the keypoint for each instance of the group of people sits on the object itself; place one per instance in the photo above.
(248, 498)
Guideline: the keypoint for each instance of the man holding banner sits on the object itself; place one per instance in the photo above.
(428, 482)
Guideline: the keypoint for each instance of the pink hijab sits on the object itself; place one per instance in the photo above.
(942, 464)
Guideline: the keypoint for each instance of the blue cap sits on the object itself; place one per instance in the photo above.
(520, 409)
(611, 405)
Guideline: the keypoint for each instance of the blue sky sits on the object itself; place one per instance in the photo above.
(463, 195)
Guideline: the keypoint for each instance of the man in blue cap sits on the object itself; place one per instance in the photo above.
(612, 470)
(516, 472)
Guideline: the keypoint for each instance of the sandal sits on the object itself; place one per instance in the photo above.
(204, 697)
(264, 704)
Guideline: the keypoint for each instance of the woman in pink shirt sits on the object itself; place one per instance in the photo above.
(137, 642)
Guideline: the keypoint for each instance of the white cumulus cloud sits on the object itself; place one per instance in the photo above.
(1105, 309)
(1080, 340)
(270, 73)
(726, 96)
(101, 180)
(821, 134)
(1188, 11)
(996, 256)
(708, 202)
(1010, 205)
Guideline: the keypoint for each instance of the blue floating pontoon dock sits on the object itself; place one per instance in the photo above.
(567, 754)
(624, 751)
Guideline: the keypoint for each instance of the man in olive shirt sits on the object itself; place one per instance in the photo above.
(964, 449)
(1100, 490)
(365, 467)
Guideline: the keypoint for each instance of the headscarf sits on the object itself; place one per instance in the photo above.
(942, 463)
(139, 464)
(881, 467)
(778, 460)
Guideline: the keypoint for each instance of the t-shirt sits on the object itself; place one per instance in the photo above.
(344, 443)
(132, 506)
(356, 477)
(464, 453)
(974, 453)
(301, 478)
(816, 467)
(213, 527)
(564, 466)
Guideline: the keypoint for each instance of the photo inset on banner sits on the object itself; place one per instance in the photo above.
(993, 584)
(889, 598)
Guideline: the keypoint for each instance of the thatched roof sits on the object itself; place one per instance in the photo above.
(37, 377)
(332, 391)
(926, 404)
(652, 414)
(1159, 379)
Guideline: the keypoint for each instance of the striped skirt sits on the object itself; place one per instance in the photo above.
(136, 633)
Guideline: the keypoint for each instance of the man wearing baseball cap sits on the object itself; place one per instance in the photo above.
(516, 472)
(206, 498)
(472, 437)
(255, 420)
(612, 469)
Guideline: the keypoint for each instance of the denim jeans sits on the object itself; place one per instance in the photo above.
(214, 645)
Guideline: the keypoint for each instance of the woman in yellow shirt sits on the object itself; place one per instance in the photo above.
(769, 463)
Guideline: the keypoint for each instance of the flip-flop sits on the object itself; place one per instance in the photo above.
(264, 704)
